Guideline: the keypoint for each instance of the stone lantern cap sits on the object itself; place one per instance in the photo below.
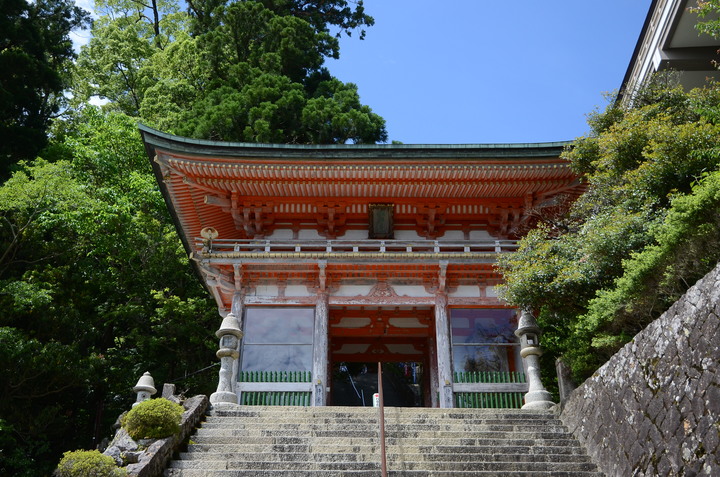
(145, 383)
(229, 326)
(527, 324)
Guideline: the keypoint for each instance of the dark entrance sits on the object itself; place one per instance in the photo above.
(354, 384)
(398, 337)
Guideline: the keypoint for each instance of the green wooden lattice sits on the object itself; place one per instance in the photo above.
(489, 399)
(489, 377)
(275, 398)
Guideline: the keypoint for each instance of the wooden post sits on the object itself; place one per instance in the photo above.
(432, 372)
(381, 406)
(442, 343)
(237, 309)
(320, 350)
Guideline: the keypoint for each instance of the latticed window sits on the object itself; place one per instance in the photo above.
(483, 340)
(278, 339)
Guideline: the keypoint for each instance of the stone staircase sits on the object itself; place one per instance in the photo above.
(343, 441)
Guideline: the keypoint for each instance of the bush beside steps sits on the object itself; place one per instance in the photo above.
(145, 442)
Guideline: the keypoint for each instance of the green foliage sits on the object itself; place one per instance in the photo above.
(19, 456)
(322, 15)
(35, 55)
(95, 288)
(687, 246)
(91, 463)
(153, 419)
(254, 73)
(640, 235)
(705, 8)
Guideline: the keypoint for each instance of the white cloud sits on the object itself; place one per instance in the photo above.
(82, 37)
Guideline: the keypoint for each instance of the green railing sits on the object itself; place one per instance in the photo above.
(275, 398)
(271, 395)
(489, 377)
(491, 398)
(275, 376)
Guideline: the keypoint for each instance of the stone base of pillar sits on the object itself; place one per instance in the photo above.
(223, 407)
(538, 400)
(222, 397)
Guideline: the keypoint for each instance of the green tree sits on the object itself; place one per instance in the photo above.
(254, 73)
(95, 286)
(34, 46)
(705, 8)
(95, 289)
(582, 275)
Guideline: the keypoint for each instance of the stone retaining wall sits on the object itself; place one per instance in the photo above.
(151, 461)
(654, 408)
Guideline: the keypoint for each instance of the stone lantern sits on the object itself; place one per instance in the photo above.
(528, 331)
(144, 388)
(229, 334)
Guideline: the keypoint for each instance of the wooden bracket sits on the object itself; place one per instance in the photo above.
(238, 272)
(255, 219)
(430, 219)
(331, 219)
(442, 275)
(322, 277)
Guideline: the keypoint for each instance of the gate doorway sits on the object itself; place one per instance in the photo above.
(401, 338)
(354, 384)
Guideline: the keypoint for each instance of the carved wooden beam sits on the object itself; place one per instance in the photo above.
(255, 219)
(331, 219)
(430, 219)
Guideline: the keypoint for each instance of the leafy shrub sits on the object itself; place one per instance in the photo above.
(92, 463)
(154, 419)
(644, 231)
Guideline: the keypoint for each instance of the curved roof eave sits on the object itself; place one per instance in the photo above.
(384, 152)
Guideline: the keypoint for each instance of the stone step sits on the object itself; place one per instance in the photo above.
(363, 412)
(431, 448)
(373, 426)
(374, 473)
(333, 441)
(347, 466)
(465, 441)
(372, 454)
(350, 412)
(243, 434)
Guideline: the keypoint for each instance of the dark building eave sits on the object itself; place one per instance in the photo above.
(367, 152)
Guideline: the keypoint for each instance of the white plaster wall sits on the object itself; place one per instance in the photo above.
(308, 234)
(353, 290)
(348, 322)
(407, 323)
(266, 290)
(402, 348)
(297, 290)
(281, 234)
(411, 290)
(466, 291)
(354, 235)
(348, 348)
(481, 235)
(491, 292)
(407, 235)
(453, 235)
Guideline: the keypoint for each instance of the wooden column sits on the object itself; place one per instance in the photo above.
(237, 308)
(320, 350)
(433, 366)
(442, 343)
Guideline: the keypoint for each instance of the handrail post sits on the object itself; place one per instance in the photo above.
(383, 464)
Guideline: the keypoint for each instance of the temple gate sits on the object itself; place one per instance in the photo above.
(323, 258)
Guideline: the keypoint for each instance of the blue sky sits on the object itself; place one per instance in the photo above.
(472, 71)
